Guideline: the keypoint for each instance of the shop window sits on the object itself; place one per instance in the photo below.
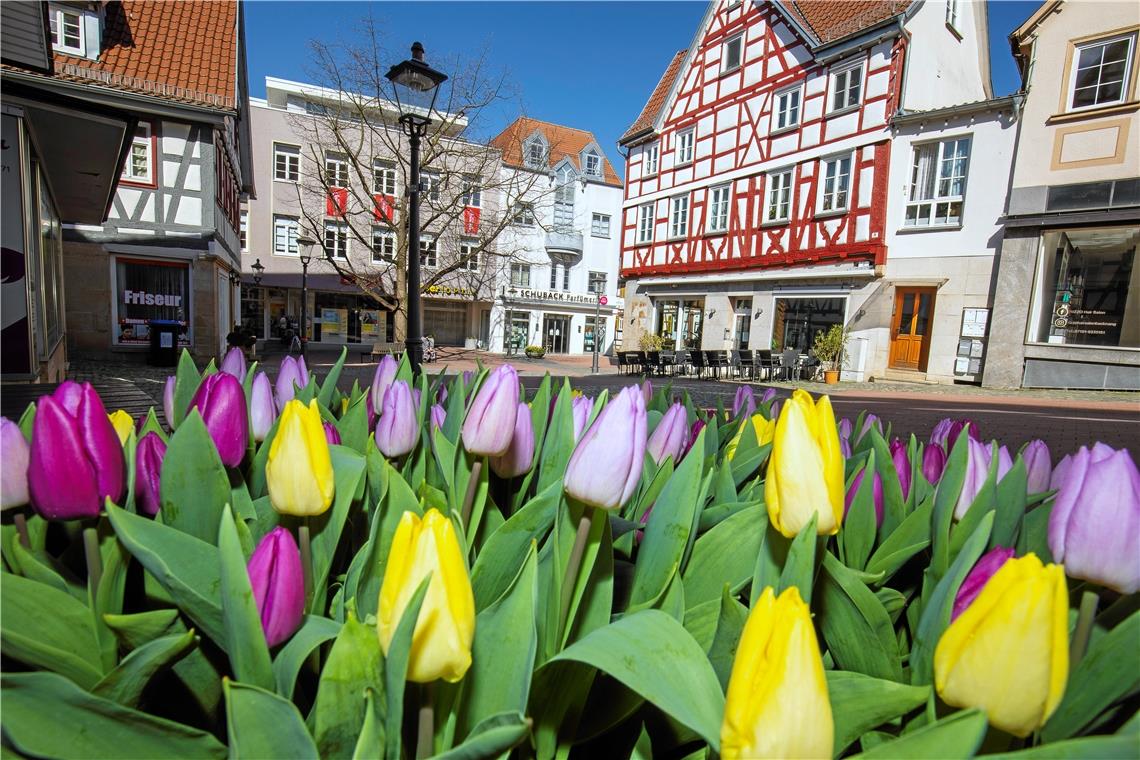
(146, 290)
(1089, 292)
(796, 321)
(595, 333)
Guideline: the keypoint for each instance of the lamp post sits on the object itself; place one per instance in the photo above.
(258, 269)
(416, 86)
(305, 249)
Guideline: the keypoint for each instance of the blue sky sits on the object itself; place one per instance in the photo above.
(589, 65)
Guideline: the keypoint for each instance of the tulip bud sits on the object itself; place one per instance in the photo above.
(1094, 528)
(520, 454)
(398, 429)
(765, 431)
(13, 465)
(694, 431)
(299, 471)
(445, 627)
(777, 703)
(668, 438)
(845, 429)
(290, 376)
(262, 411)
(123, 424)
(220, 400)
(977, 470)
(605, 467)
(647, 391)
(234, 363)
(580, 409)
(382, 380)
(168, 401)
(1008, 652)
(1038, 466)
(902, 465)
(1004, 462)
(278, 583)
(744, 401)
(438, 417)
(332, 435)
(769, 394)
(977, 578)
(76, 461)
(933, 462)
(441, 394)
(417, 395)
(490, 421)
(148, 472)
(946, 432)
(805, 469)
(876, 495)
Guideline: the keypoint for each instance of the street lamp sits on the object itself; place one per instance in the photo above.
(305, 249)
(416, 86)
(258, 269)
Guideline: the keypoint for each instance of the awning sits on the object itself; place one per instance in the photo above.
(332, 283)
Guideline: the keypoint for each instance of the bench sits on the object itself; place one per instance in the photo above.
(380, 350)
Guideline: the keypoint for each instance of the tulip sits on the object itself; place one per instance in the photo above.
(168, 400)
(1038, 466)
(605, 467)
(234, 363)
(123, 424)
(441, 394)
(647, 391)
(148, 472)
(765, 431)
(694, 431)
(845, 429)
(290, 376)
(262, 410)
(1004, 462)
(221, 402)
(902, 465)
(438, 416)
(417, 395)
(520, 454)
(76, 461)
(870, 421)
(946, 432)
(977, 470)
(445, 627)
(1094, 528)
(381, 380)
(876, 495)
(933, 462)
(805, 470)
(398, 428)
(13, 465)
(769, 394)
(468, 376)
(745, 401)
(668, 438)
(490, 421)
(1008, 652)
(977, 578)
(332, 435)
(299, 469)
(278, 584)
(777, 703)
(580, 409)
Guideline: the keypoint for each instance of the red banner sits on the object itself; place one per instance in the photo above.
(336, 202)
(470, 221)
(385, 208)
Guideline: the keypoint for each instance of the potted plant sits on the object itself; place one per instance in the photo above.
(534, 352)
(650, 342)
(828, 348)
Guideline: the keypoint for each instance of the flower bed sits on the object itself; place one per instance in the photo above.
(434, 566)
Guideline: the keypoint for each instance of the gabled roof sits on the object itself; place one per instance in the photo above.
(563, 142)
(657, 99)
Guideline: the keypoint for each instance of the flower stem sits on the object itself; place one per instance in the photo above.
(22, 529)
(426, 735)
(306, 560)
(94, 559)
(572, 566)
(469, 497)
(1085, 618)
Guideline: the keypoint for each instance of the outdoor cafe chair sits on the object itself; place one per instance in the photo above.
(697, 362)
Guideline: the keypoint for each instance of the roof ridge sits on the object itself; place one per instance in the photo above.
(553, 124)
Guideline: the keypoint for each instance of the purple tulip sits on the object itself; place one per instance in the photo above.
(983, 570)
(381, 380)
(606, 464)
(332, 435)
(774, 412)
(870, 421)
(933, 462)
(234, 363)
(278, 584)
(417, 397)
(845, 427)
(168, 401)
(290, 376)
(977, 469)
(1038, 466)
(438, 416)
(580, 409)
(1004, 462)
(668, 438)
(468, 377)
(694, 431)
(148, 472)
(1094, 528)
(262, 410)
(13, 465)
(76, 461)
(902, 465)
(397, 430)
(490, 421)
(519, 455)
(647, 391)
(745, 401)
(946, 433)
(441, 394)
(221, 402)
(769, 394)
(876, 495)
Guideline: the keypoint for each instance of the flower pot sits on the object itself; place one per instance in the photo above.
(831, 376)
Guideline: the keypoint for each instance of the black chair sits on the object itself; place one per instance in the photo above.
(652, 362)
(790, 361)
(716, 361)
(810, 368)
(742, 363)
(668, 362)
(697, 362)
(680, 362)
(766, 365)
(622, 361)
(638, 362)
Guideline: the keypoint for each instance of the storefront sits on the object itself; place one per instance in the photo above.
(559, 321)
(338, 313)
(147, 290)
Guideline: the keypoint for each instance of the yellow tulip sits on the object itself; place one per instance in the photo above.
(765, 431)
(299, 471)
(445, 628)
(123, 424)
(777, 703)
(1008, 652)
(805, 469)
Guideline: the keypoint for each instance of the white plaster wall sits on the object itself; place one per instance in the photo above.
(943, 68)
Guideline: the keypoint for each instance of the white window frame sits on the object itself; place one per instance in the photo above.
(292, 158)
(291, 226)
(530, 158)
(592, 168)
(686, 142)
(384, 177)
(725, 65)
(782, 111)
(1074, 64)
(472, 193)
(592, 281)
(845, 72)
(429, 251)
(522, 215)
(339, 233)
(952, 14)
(516, 275)
(383, 238)
(243, 230)
(336, 169)
(469, 247)
(829, 201)
(774, 184)
(650, 156)
(645, 223)
(56, 18)
(720, 206)
(430, 182)
(679, 216)
(931, 204)
(599, 225)
(145, 141)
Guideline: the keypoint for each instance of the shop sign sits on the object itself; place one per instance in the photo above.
(447, 290)
(557, 296)
(148, 290)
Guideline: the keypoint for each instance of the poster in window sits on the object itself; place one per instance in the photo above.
(372, 324)
(333, 323)
(147, 289)
(470, 220)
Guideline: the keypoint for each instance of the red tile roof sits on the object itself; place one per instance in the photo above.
(657, 99)
(182, 50)
(564, 142)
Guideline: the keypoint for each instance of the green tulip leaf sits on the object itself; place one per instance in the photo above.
(370, 743)
(139, 628)
(326, 528)
(353, 427)
(1119, 747)
(857, 536)
(396, 670)
(907, 540)
(643, 749)
(46, 715)
(186, 381)
(654, 655)
(125, 684)
(328, 385)
(42, 568)
(1010, 508)
(313, 632)
(261, 724)
(701, 622)
(956, 736)
(800, 566)
(558, 444)
(860, 703)
(245, 639)
(397, 498)
(855, 625)
(945, 499)
(770, 560)
(194, 486)
(27, 420)
(255, 477)
(493, 737)
(729, 627)
(894, 506)
(1034, 536)
(652, 483)
(725, 554)
(355, 667)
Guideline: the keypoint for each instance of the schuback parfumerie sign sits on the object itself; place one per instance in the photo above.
(556, 296)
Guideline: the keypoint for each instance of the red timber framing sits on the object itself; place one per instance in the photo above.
(736, 143)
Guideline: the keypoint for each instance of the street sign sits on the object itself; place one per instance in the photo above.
(603, 300)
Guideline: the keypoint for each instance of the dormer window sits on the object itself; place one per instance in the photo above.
(67, 30)
(593, 165)
(535, 154)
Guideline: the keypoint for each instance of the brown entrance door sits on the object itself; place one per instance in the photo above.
(910, 328)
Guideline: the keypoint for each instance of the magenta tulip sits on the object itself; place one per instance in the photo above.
(490, 422)
(694, 431)
(933, 462)
(262, 410)
(744, 401)
(668, 438)
(901, 459)
(1038, 466)
(382, 379)
(278, 584)
(946, 432)
(332, 435)
(168, 401)
(148, 472)
(234, 363)
(221, 402)
(76, 461)
(397, 430)
(519, 455)
(605, 467)
(876, 495)
(983, 570)
(292, 375)
(580, 409)
(14, 454)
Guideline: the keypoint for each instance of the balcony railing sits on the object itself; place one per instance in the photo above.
(570, 242)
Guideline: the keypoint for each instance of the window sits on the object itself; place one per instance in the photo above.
(384, 178)
(846, 87)
(469, 254)
(336, 170)
(733, 52)
(336, 240)
(286, 162)
(718, 208)
(472, 196)
(597, 282)
(149, 290)
(243, 230)
(952, 13)
(523, 215)
(600, 225)
(796, 321)
(140, 160)
(555, 268)
(428, 251)
(650, 160)
(778, 198)
(645, 223)
(429, 184)
(285, 232)
(938, 183)
(788, 108)
(593, 165)
(679, 222)
(1101, 72)
(535, 154)
(520, 275)
(383, 245)
(66, 30)
(564, 201)
(685, 146)
(836, 183)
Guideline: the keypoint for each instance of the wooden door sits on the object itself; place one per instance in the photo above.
(910, 328)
